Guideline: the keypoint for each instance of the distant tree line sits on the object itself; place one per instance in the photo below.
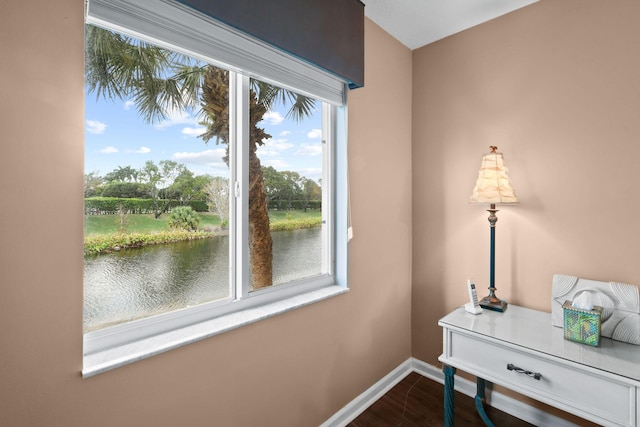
(288, 190)
(159, 188)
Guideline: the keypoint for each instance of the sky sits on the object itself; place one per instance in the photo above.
(115, 136)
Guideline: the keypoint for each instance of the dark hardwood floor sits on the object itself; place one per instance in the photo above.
(418, 401)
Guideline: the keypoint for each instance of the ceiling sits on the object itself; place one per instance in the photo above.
(416, 23)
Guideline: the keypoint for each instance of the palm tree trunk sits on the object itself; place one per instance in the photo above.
(260, 243)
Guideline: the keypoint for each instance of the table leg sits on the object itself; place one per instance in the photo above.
(480, 384)
(449, 403)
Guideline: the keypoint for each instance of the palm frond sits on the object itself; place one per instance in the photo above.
(301, 107)
(270, 95)
(190, 79)
(159, 81)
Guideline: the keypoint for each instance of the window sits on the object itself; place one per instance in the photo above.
(222, 188)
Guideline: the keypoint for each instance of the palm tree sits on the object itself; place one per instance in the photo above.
(159, 81)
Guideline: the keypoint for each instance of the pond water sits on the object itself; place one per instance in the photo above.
(137, 283)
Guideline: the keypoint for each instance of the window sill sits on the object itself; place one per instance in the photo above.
(112, 358)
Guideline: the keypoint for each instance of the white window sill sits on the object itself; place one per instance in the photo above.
(112, 358)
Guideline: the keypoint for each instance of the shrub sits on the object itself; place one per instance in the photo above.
(199, 205)
(111, 205)
(295, 224)
(106, 243)
(184, 218)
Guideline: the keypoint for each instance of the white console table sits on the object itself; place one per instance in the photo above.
(521, 350)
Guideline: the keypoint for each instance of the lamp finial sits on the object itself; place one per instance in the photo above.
(493, 149)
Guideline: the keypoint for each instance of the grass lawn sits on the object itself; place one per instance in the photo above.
(138, 223)
(146, 223)
(288, 216)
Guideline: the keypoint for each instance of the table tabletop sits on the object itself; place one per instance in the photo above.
(533, 330)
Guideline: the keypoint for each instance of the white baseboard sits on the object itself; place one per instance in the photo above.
(369, 397)
(497, 400)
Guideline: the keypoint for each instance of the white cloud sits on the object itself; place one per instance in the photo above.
(265, 152)
(278, 164)
(143, 150)
(273, 147)
(285, 133)
(177, 117)
(309, 150)
(109, 150)
(311, 173)
(277, 144)
(195, 132)
(96, 127)
(314, 134)
(273, 117)
(128, 104)
(206, 157)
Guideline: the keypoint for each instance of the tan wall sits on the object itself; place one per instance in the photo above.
(555, 86)
(296, 369)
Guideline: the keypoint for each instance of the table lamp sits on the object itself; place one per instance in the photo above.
(493, 187)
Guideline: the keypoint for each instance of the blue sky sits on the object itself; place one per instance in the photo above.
(115, 136)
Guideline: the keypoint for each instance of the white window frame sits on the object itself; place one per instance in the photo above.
(174, 26)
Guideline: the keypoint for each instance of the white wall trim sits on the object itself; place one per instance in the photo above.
(369, 396)
(105, 359)
(497, 400)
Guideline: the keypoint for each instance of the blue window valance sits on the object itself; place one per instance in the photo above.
(327, 33)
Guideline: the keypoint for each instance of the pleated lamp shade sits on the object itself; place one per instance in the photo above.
(493, 185)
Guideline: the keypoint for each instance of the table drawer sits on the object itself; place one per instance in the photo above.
(560, 384)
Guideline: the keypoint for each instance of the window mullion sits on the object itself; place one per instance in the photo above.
(239, 164)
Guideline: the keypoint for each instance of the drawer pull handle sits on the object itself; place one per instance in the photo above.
(535, 375)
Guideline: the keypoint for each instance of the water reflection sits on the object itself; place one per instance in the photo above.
(137, 283)
(296, 254)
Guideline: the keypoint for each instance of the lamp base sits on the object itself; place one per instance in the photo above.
(493, 303)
